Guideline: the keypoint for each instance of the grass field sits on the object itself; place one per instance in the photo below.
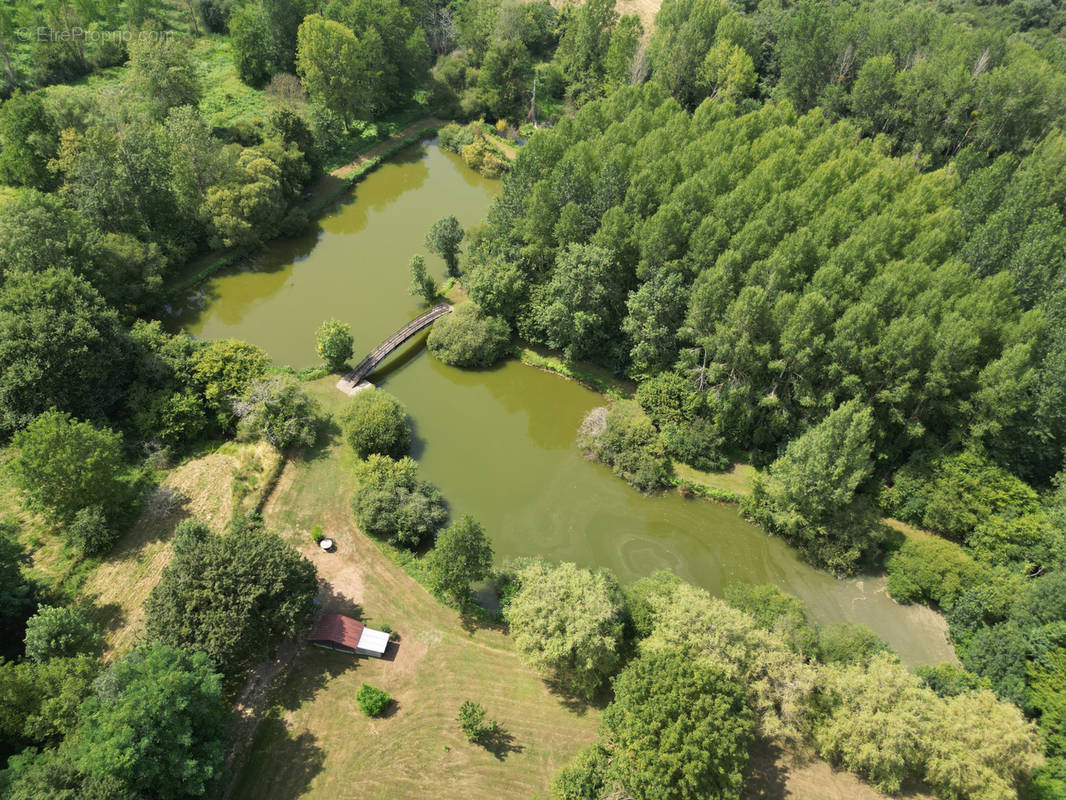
(299, 732)
(314, 742)
(232, 479)
(645, 9)
(735, 479)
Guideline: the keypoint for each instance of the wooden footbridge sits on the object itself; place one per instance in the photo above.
(350, 382)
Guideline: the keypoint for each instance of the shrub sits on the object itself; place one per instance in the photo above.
(374, 421)
(1031, 542)
(89, 532)
(668, 398)
(953, 494)
(455, 137)
(472, 722)
(60, 632)
(334, 343)
(372, 701)
(930, 570)
(949, 680)
(640, 596)
(483, 157)
(468, 337)
(277, 409)
(695, 443)
(392, 502)
(317, 534)
(773, 610)
(625, 438)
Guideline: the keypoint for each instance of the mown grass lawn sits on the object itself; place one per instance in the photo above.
(735, 479)
(314, 742)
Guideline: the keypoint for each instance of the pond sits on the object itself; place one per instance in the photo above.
(500, 443)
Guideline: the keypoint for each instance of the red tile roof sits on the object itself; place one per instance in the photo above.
(338, 629)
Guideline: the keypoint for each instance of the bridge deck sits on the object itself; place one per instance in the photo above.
(349, 382)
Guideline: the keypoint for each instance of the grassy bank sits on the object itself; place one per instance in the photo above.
(594, 377)
(728, 486)
(311, 738)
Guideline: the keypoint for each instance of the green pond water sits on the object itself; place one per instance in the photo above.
(500, 443)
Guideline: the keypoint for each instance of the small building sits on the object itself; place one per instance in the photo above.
(347, 635)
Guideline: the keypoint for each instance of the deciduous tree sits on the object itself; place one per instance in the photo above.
(278, 410)
(461, 556)
(334, 343)
(156, 725)
(338, 69)
(63, 465)
(677, 729)
(810, 493)
(444, 239)
(393, 502)
(468, 337)
(374, 421)
(232, 596)
(567, 621)
(60, 632)
(60, 345)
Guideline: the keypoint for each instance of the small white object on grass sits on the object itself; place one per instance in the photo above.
(326, 544)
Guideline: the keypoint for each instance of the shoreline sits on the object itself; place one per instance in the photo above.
(325, 190)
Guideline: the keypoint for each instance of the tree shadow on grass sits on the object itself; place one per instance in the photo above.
(314, 669)
(109, 616)
(333, 602)
(577, 703)
(472, 623)
(327, 432)
(766, 775)
(300, 754)
(501, 743)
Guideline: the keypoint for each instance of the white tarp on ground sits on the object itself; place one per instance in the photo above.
(372, 641)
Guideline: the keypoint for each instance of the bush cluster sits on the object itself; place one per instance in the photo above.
(624, 437)
(392, 502)
(375, 422)
(468, 337)
(372, 701)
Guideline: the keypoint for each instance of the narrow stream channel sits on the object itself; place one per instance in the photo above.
(500, 443)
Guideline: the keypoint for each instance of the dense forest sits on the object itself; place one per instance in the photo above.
(823, 238)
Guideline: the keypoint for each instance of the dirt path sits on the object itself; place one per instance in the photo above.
(505, 147)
